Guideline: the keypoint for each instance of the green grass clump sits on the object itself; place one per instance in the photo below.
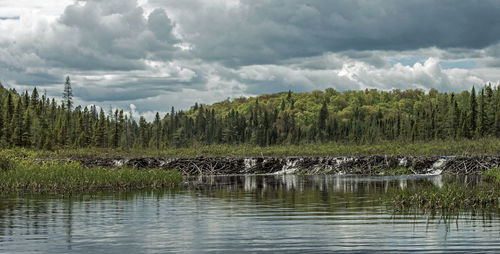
(492, 175)
(449, 197)
(31, 176)
(6, 163)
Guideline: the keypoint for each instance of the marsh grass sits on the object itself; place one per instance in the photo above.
(6, 164)
(485, 146)
(31, 176)
(396, 171)
(492, 175)
(450, 197)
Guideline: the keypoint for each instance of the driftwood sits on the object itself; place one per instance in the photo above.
(363, 165)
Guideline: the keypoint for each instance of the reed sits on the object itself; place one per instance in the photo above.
(451, 196)
(484, 146)
(52, 176)
(492, 175)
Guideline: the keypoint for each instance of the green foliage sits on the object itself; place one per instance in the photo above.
(367, 117)
(492, 175)
(6, 163)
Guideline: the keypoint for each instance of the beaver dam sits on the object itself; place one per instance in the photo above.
(359, 165)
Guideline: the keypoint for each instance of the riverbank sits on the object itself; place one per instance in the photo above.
(57, 176)
(83, 170)
(372, 165)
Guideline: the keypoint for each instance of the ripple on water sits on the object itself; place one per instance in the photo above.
(245, 214)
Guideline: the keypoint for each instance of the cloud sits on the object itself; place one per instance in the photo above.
(111, 35)
(265, 32)
(158, 54)
(11, 17)
(355, 74)
(95, 35)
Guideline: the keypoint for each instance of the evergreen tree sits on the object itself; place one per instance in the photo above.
(482, 117)
(143, 130)
(68, 95)
(157, 126)
(472, 114)
(116, 130)
(34, 99)
(99, 130)
(354, 117)
(8, 112)
(15, 139)
(26, 129)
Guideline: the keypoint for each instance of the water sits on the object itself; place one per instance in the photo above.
(273, 213)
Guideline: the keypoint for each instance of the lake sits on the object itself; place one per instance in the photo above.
(263, 213)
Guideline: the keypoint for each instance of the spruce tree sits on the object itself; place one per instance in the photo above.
(157, 126)
(34, 99)
(26, 129)
(99, 130)
(143, 132)
(68, 94)
(15, 139)
(472, 127)
(482, 117)
(116, 130)
(8, 112)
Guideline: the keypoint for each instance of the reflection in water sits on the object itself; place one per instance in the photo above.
(272, 213)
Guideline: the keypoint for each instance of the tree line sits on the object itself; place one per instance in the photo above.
(365, 116)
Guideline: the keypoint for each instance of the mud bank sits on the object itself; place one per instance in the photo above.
(360, 165)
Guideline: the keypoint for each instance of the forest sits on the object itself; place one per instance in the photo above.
(36, 121)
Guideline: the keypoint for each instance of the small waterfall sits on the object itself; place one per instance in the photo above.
(403, 162)
(119, 163)
(249, 164)
(165, 161)
(289, 167)
(437, 167)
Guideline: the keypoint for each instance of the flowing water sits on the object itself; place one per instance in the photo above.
(267, 213)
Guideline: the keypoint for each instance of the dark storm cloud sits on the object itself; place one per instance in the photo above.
(107, 35)
(40, 78)
(256, 32)
(127, 90)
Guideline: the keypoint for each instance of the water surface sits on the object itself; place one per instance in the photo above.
(272, 213)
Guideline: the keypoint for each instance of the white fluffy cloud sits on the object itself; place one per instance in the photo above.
(355, 74)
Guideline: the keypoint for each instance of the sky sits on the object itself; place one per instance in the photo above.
(150, 55)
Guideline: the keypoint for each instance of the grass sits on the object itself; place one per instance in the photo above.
(449, 197)
(485, 146)
(30, 176)
(492, 175)
(397, 171)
